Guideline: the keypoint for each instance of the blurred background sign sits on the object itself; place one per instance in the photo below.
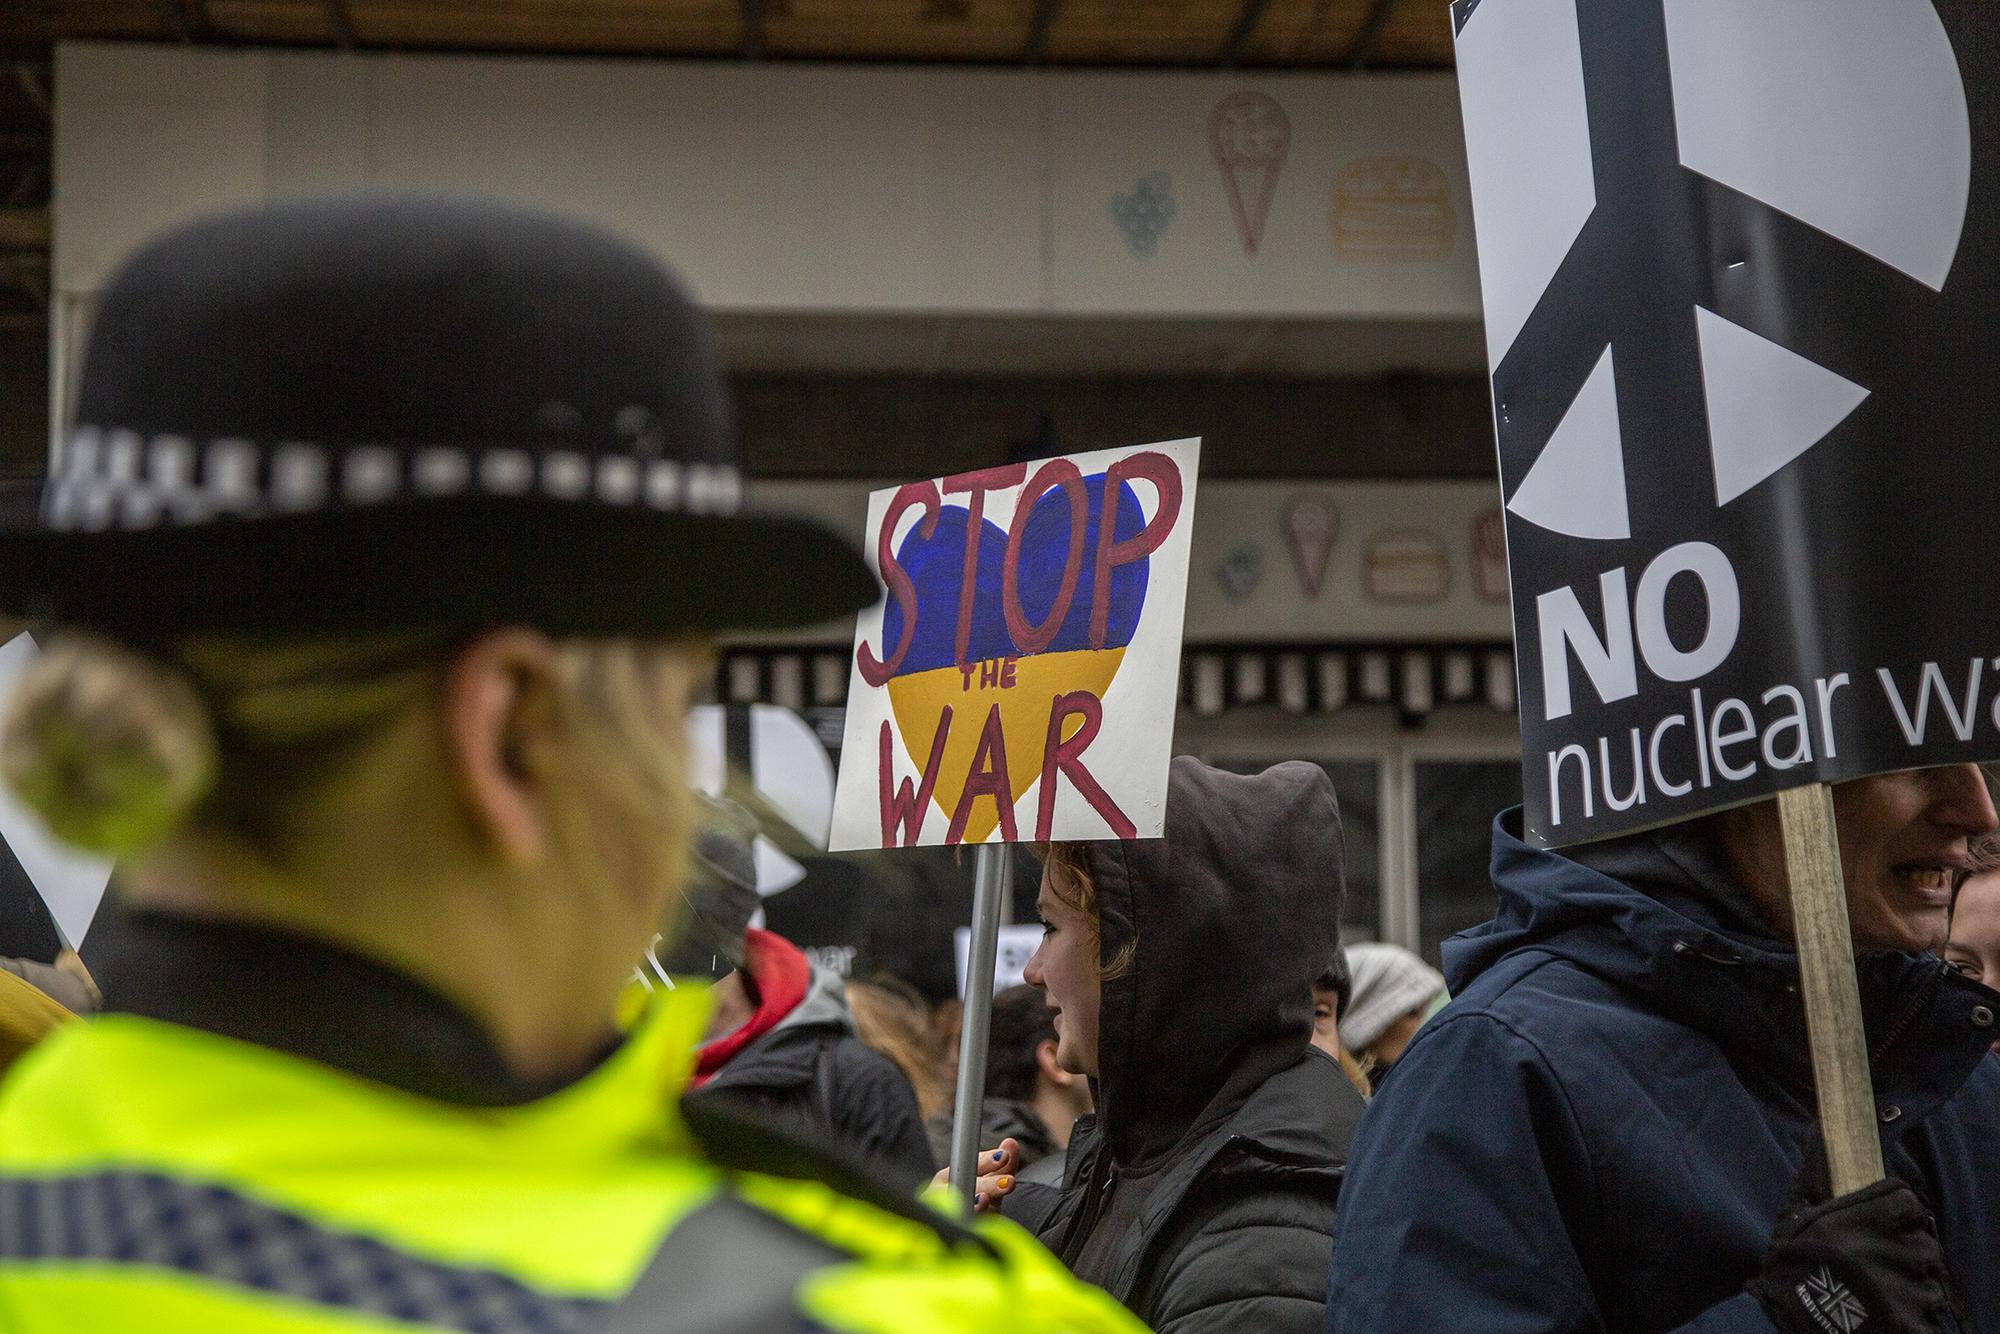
(770, 762)
(69, 883)
(1017, 945)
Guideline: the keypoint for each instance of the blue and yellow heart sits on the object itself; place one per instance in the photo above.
(1024, 686)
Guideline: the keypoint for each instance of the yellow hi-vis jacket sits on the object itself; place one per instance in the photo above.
(161, 1178)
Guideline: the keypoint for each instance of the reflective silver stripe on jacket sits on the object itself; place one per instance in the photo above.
(144, 1219)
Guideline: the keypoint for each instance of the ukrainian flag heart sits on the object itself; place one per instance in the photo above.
(1007, 624)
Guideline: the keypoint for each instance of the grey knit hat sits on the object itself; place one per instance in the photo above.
(1389, 982)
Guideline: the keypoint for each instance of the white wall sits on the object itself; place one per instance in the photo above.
(807, 188)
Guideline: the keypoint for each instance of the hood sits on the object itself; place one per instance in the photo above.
(1657, 915)
(825, 1003)
(1230, 917)
(719, 896)
(1613, 907)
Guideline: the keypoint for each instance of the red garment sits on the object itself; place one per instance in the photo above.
(777, 974)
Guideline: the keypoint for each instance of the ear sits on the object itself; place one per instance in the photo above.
(497, 715)
(1045, 1061)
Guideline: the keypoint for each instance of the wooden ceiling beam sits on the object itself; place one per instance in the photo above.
(340, 24)
(1036, 49)
(1239, 37)
(190, 19)
(1371, 32)
(1104, 32)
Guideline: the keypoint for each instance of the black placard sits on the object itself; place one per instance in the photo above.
(1795, 589)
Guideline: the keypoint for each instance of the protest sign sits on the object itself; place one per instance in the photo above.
(1740, 262)
(769, 761)
(70, 883)
(1018, 681)
(1016, 945)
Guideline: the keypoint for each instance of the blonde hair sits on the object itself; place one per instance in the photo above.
(251, 737)
(1357, 1073)
(891, 1018)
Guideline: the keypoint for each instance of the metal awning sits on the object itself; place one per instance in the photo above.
(1414, 680)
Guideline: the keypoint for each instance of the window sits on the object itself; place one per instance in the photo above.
(1358, 786)
(1455, 801)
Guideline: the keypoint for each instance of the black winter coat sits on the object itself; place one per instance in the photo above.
(1237, 1233)
(813, 1074)
(1227, 1127)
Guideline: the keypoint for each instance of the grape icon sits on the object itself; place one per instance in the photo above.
(1144, 214)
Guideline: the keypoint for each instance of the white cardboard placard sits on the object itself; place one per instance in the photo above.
(1018, 680)
(1017, 945)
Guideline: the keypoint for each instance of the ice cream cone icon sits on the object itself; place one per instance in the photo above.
(1249, 135)
(1311, 525)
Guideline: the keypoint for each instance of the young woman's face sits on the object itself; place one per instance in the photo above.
(1974, 946)
(1064, 970)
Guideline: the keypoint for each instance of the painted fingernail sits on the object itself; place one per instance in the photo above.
(999, 1154)
(1003, 1183)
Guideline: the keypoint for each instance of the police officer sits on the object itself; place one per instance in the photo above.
(384, 561)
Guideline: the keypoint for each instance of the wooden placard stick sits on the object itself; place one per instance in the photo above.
(1828, 988)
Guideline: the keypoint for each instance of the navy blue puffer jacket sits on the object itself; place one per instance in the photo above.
(1599, 1132)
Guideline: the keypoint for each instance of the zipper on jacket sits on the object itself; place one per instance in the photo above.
(1687, 947)
(1104, 1189)
(1090, 1208)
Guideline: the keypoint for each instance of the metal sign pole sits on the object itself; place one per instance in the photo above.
(989, 887)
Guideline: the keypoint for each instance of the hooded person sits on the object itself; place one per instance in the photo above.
(781, 1039)
(1612, 1125)
(382, 565)
(1972, 940)
(1180, 973)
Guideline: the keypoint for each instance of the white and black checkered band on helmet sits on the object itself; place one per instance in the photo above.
(391, 410)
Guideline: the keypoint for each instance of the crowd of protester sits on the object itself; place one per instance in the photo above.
(397, 810)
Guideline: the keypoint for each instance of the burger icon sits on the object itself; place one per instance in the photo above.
(1392, 208)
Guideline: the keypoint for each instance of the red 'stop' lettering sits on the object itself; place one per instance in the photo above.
(1146, 465)
(901, 586)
